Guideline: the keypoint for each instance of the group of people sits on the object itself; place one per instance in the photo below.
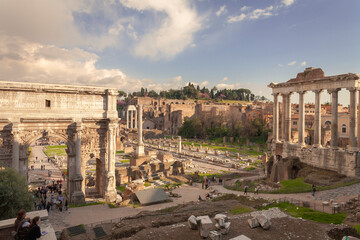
(24, 229)
(52, 202)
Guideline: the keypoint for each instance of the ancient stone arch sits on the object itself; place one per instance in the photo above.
(85, 118)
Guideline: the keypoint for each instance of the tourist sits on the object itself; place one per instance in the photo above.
(220, 181)
(66, 205)
(313, 190)
(200, 199)
(245, 190)
(49, 173)
(256, 190)
(21, 226)
(48, 205)
(34, 232)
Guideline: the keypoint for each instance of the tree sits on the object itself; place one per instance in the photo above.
(14, 194)
(122, 93)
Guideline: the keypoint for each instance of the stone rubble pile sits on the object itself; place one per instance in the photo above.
(262, 218)
(205, 225)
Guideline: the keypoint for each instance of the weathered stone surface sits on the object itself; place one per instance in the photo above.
(284, 169)
(205, 224)
(192, 222)
(214, 235)
(253, 223)
(221, 219)
(226, 228)
(264, 222)
(241, 237)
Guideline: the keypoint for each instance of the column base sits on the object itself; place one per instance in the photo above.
(317, 146)
(78, 197)
(334, 148)
(302, 145)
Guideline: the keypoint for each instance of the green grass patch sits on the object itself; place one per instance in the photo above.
(121, 188)
(250, 168)
(111, 205)
(240, 210)
(357, 228)
(59, 150)
(147, 184)
(125, 161)
(86, 204)
(119, 152)
(293, 186)
(309, 214)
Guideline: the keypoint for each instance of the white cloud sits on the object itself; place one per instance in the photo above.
(245, 8)
(288, 2)
(22, 60)
(259, 12)
(291, 63)
(233, 19)
(224, 79)
(303, 63)
(204, 83)
(222, 10)
(176, 31)
(228, 86)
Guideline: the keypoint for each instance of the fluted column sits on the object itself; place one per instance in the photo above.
(358, 122)
(288, 118)
(131, 119)
(179, 144)
(353, 119)
(140, 126)
(15, 147)
(334, 117)
(127, 119)
(317, 142)
(301, 125)
(283, 117)
(78, 148)
(276, 118)
(135, 116)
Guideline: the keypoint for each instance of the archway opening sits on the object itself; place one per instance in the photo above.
(94, 177)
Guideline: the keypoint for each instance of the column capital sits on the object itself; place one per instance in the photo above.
(301, 92)
(333, 90)
(275, 94)
(318, 91)
(78, 126)
(352, 89)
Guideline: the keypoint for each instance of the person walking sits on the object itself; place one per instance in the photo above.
(66, 205)
(35, 231)
(313, 190)
(245, 190)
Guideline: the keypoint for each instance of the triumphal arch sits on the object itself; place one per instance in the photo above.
(85, 118)
(313, 81)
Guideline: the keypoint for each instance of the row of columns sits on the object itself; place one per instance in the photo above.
(131, 116)
(286, 118)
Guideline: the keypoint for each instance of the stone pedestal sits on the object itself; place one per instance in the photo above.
(110, 192)
(77, 196)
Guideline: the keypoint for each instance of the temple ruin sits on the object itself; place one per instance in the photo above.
(344, 161)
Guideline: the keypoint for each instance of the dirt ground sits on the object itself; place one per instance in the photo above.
(171, 224)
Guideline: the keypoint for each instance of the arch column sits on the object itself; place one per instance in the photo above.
(110, 189)
(353, 119)
(135, 117)
(15, 147)
(334, 117)
(276, 118)
(131, 119)
(78, 195)
(317, 142)
(127, 118)
(301, 126)
(283, 117)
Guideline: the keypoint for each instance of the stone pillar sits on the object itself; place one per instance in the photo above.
(301, 125)
(15, 147)
(127, 119)
(353, 119)
(140, 146)
(288, 118)
(78, 196)
(110, 188)
(358, 122)
(276, 118)
(334, 117)
(135, 117)
(131, 119)
(317, 141)
(283, 117)
(179, 144)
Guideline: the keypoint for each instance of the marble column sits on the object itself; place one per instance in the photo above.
(131, 119)
(276, 118)
(317, 141)
(15, 147)
(127, 119)
(288, 118)
(301, 123)
(283, 117)
(78, 149)
(78, 195)
(179, 144)
(135, 117)
(358, 122)
(334, 117)
(110, 187)
(140, 145)
(353, 119)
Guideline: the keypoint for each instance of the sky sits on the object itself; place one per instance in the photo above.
(163, 44)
